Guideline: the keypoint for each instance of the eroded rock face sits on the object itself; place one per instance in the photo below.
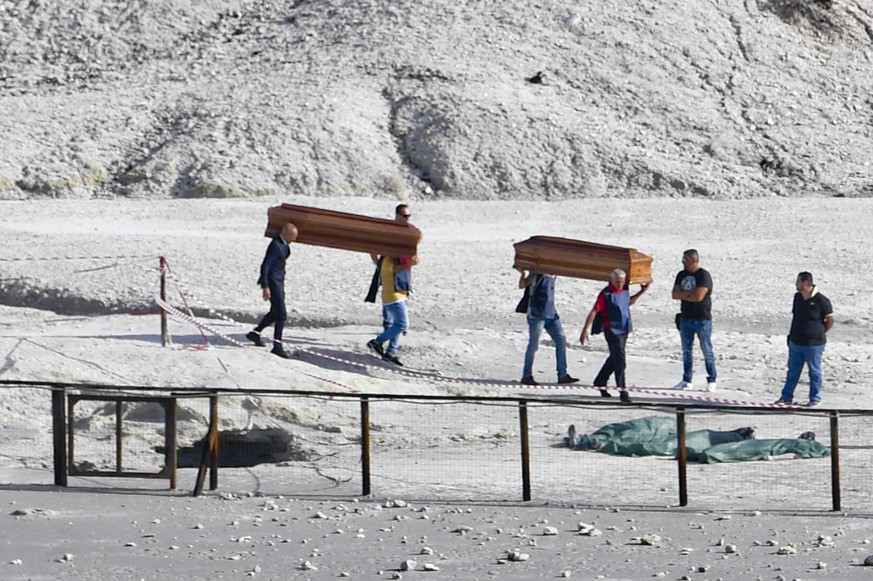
(491, 100)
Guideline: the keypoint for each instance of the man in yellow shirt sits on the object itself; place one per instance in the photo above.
(395, 275)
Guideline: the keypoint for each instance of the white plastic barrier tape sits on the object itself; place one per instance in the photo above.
(437, 378)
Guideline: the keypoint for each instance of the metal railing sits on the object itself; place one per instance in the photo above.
(65, 395)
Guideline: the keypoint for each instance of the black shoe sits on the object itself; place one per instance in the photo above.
(528, 380)
(624, 397)
(279, 352)
(567, 378)
(571, 436)
(604, 393)
(255, 338)
(392, 359)
(376, 348)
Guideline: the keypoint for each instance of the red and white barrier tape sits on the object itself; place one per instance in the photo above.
(176, 313)
(429, 376)
(50, 258)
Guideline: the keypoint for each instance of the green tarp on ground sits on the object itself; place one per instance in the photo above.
(762, 450)
(656, 436)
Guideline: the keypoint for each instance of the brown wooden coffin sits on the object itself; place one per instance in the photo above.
(345, 231)
(580, 259)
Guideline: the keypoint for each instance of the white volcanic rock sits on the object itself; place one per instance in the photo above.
(489, 100)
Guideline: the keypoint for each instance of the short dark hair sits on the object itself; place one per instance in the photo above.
(691, 253)
(400, 208)
(805, 277)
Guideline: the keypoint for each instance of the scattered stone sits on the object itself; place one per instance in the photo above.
(31, 512)
(430, 567)
(516, 556)
(538, 79)
(821, 565)
(408, 565)
(308, 566)
(731, 549)
(550, 532)
(869, 561)
(650, 540)
(426, 551)
(587, 530)
(787, 550)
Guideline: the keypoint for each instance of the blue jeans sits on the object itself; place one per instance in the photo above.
(688, 329)
(395, 320)
(556, 332)
(797, 356)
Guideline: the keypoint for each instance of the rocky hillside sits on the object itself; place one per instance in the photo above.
(484, 99)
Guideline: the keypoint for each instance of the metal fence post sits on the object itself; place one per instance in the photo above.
(835, 459)
(525, 450)
(59, 434)
(682, 456)
(213, 442)
(365, 446)
(165, 334)
(170, 443)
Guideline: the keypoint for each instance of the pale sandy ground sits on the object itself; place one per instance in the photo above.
(266, 522)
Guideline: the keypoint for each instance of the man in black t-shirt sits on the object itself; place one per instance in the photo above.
(693, 287)
(813, 317)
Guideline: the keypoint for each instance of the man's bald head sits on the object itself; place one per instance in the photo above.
(289, 232)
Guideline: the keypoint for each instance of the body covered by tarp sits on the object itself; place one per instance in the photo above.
(762, 450)
(657, 436)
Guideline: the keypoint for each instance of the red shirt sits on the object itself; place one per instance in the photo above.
(600, 304)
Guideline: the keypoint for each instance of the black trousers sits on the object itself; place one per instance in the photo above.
(616, 362)
(277, 315)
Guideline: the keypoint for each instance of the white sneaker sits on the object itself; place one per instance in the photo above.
(711, 387)
(684, 385)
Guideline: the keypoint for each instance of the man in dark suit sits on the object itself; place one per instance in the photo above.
(272, 283)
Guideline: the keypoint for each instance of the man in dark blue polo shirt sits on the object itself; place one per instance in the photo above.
(813, 317)
(272, 283)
